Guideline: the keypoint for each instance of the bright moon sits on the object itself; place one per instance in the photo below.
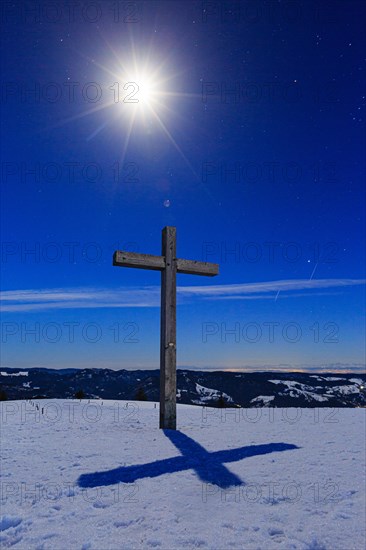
(140, 90)
(140, 96)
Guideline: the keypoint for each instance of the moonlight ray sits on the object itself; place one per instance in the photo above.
(138, 94)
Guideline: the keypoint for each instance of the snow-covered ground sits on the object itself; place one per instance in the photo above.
(90, 476)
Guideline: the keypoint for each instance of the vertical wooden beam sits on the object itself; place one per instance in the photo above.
(168, 336)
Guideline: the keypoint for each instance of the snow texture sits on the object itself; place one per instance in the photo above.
(91, 476)
(20, 373)
(209, 395)
(263, 399)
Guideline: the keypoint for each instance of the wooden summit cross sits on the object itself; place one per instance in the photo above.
(169, 265)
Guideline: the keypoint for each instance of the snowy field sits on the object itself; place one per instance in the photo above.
(92, 476)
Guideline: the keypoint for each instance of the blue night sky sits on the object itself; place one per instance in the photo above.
(247, 135)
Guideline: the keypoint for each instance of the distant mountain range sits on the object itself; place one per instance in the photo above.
(252, 389)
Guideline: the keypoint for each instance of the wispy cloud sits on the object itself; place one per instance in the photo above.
(270, 296)
(78, 298)
(149, 296)
(271, 286)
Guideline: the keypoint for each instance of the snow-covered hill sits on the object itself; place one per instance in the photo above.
(245, 389)
(100, 475)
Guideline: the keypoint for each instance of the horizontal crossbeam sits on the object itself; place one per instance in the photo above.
(157, 263)
(142, 261)
(192, 267)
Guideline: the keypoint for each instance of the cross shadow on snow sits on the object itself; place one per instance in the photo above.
(209, 466)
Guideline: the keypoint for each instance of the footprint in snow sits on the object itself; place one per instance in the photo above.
(153, 543)
(49, 536)
(273, 531)
(10, 531)
(124, 523)
(227, 525)
(276, 534)
(101, 505)
(9, 521)
(315, 545)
